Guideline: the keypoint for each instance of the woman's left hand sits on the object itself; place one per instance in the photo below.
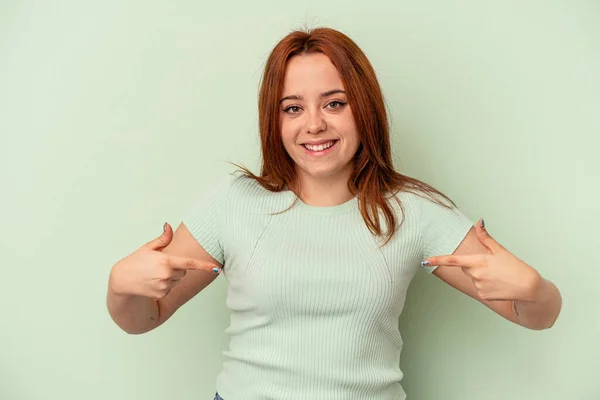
(497, 274)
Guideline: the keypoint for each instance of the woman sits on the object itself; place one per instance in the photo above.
(320, 247)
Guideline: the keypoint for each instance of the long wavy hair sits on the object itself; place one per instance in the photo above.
(374, 181)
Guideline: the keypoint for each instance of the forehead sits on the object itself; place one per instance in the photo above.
(310, 72)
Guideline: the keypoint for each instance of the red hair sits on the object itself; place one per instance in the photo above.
(373, 177)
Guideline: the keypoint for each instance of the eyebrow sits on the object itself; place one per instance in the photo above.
(324, 94)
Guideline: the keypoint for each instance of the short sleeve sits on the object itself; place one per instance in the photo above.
(443, 228)
(204, 220)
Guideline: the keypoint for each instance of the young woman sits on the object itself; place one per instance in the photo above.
(319, 248)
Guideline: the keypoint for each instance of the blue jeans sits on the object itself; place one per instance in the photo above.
(217, 397)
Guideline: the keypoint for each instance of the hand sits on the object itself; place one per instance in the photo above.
(149, 272)
(496, 274)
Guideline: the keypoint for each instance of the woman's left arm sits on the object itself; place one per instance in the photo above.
(484, 270)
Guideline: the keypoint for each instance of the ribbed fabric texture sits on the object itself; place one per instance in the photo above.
(314, 298)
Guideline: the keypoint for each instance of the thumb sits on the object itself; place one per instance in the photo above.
(485, 238)
(162, 241)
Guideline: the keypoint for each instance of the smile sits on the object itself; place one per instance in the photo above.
(320, 147)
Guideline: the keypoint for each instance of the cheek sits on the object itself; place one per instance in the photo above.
(285, 132)
(288, 131)
(351, 132)
(345, 123)
(287, 137)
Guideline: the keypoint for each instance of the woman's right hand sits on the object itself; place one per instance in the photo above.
(149, 272)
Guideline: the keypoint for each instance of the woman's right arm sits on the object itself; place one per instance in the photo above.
(148, 286)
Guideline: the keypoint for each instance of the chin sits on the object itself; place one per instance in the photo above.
(325, 172)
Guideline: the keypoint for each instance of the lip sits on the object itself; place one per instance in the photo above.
(318, 142)
(321, 153)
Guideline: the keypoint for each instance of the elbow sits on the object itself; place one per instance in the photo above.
(540, 326)
(548, 322)
(134, 332)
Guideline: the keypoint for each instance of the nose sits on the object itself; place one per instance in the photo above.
(315, 123)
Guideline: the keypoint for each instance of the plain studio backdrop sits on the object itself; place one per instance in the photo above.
(116, 115)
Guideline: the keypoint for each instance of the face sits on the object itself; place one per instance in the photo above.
(317, 125)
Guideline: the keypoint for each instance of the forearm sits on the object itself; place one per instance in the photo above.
(133, 314)
(542, 312)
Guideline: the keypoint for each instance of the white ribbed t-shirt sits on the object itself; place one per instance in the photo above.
(314, 298)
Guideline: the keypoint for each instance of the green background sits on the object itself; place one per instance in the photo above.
(116, 115)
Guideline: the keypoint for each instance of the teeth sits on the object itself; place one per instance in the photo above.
(320, 147)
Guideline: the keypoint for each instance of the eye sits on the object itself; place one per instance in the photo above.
(292, 110)
(336, 104)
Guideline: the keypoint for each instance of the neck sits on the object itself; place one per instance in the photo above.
(325, 192)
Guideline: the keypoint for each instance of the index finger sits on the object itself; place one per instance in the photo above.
(176, 262)
(466, 261)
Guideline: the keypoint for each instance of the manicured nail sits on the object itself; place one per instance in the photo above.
(482, 223)
(425, 263)
(216, 270)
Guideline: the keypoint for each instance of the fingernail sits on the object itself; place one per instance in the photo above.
(216, 270)
(425, 263)
(165, 227)
(482, 223)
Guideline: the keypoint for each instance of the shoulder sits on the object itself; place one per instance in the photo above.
(229, 184)
(420, 201)
(425, 209)
(246, 193)
(412, 203)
